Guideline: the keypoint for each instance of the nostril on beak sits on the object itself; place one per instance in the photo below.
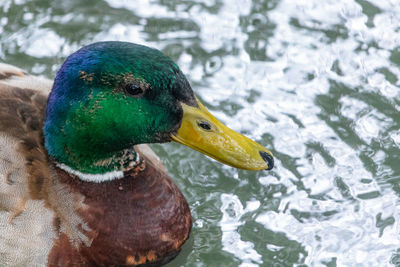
(268, 159)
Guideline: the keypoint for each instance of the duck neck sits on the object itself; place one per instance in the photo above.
(95, 169)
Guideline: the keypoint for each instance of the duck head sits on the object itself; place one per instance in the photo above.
(109, 96)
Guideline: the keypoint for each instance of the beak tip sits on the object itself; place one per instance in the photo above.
(268, 159)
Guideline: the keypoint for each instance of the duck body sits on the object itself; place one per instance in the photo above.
(78, 186)
(48, 216)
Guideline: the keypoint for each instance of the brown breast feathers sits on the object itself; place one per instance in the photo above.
(134, 220)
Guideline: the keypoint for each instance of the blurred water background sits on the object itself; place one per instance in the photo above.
(317, 82)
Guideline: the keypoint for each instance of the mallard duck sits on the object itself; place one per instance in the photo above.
(77, 185)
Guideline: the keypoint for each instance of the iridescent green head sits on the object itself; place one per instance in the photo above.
(109, 96)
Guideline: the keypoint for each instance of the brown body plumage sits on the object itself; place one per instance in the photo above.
(48, 216)
(137, 219)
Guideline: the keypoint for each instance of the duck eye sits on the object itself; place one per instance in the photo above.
(133, 89)
(205, 125)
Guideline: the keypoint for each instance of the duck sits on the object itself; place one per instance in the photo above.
(79, 185)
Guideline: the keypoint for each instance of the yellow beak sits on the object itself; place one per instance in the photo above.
(203, 132)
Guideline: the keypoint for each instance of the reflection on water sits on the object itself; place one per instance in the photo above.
(315, 81)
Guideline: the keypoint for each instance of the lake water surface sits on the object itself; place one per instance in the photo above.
(316, 82)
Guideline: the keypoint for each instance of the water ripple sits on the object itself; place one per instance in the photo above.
(315, 81)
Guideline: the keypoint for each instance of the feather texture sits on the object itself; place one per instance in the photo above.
(24, 215)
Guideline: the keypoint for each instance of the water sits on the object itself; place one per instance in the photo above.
(317, 82)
